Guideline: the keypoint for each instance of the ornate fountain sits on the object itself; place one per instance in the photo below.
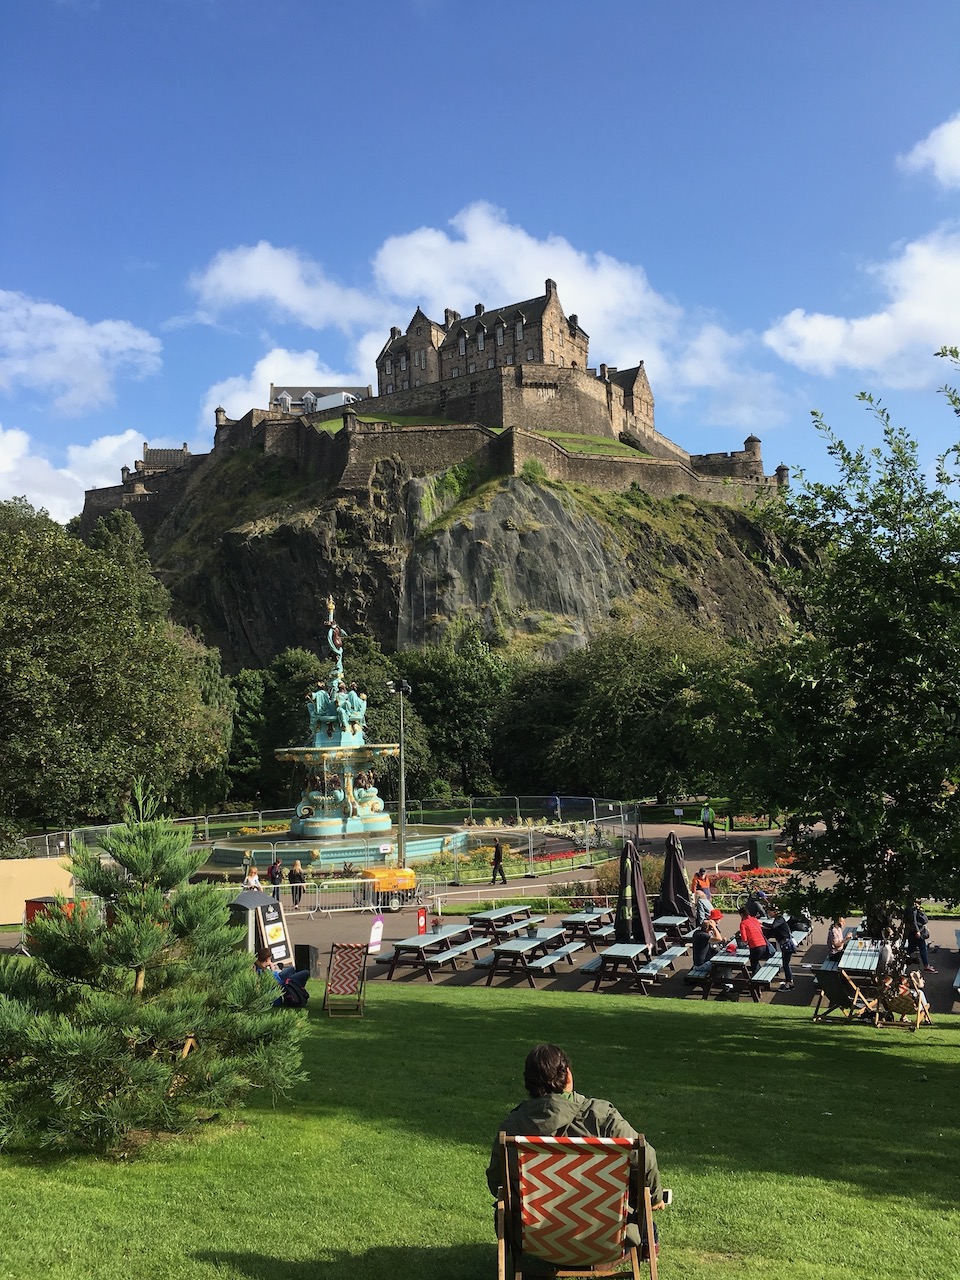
(340, 797)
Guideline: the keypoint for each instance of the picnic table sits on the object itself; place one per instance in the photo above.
(629, 955)
(585, 925)
(678, 925)
(518, 952)
(860, 957)
(490, 921)
(426, 950)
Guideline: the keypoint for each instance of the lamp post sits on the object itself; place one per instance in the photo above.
(401, 687)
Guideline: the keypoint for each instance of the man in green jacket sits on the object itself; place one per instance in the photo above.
(553, 1108)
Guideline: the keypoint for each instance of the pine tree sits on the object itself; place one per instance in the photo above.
(138, 1008)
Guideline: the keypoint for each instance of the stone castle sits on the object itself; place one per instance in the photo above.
(502, 388)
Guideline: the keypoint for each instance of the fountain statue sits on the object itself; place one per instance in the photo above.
(340, 796)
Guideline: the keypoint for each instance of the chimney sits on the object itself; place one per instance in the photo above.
(551, 287)
(394, 332)
(573, 323)
(603, 372)
(450, 318)
(478, 309)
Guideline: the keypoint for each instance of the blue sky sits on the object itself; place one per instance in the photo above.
(758, 199)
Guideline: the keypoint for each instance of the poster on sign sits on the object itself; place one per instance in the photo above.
(272, 930)
(421, 920)
(376, 936)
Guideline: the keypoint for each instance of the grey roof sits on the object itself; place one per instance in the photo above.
(297, 393)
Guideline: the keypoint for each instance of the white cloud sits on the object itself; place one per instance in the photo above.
(894, 343)
(60, 489)
(289, 283)
(939, 152)
(71, 361)
(291, 368)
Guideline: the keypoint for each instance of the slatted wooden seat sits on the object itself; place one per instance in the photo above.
(654, 967)
(450, 957)
(547, 962)
(591, 967)
(766, 974)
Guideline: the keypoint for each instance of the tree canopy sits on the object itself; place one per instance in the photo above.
(97, 685)
(852, 719)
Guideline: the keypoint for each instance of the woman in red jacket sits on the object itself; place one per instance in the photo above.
(752, 935)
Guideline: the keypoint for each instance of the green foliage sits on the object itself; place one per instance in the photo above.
(622, 717)
(97, 686)
(457, 687)
(148, 1018)
(533, 471)
(853, 718)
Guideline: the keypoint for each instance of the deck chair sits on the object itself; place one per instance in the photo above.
(842, 995)
(905, 1008)
(345, 991)
(567, 1207)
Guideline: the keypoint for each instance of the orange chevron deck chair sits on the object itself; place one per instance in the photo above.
(345, 992)
(573, 1207)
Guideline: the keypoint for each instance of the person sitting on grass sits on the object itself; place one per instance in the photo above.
(286, 977)
(552, 1107)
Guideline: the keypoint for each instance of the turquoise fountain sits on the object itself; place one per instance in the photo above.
(340, 797)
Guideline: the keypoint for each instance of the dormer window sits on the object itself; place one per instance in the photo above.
(480, 337)
(499, 335)
(309, 401)
(403, 361)
(388, 367)
(462, 344)
(285, 400)
(518, 331)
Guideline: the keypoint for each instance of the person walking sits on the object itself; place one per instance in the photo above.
(297, 879)
(498, 862)
(708, 818)
(916, 933)
(779, 931)
(275, 875)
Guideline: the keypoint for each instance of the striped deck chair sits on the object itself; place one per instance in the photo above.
(909, 1006)
(573, 1207)
(842, 995)
(346, 980)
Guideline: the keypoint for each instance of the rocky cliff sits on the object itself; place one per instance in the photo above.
(251, 553)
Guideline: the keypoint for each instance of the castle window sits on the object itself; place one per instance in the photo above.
(471, 368)
(416, 382)
(479, 339)
(518, 331)
(405, 385)
(553, 358)
(509, 357)
(403, 361)
(490, 362)
(561, 362)
(529, 353)
(462, 345)
(389, 388)
(474, 388)
(388, 366)
(456, 372)
(419, 327)
(499, 335)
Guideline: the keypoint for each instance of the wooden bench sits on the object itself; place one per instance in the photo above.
(591, 966)
(766, 974)
(566, 952)
(606, 934)
(443, 957)
(666, 960)
(514, 930)
(701, 975)
(800, 938)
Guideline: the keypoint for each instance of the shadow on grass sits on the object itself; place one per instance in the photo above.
(466, 1262)
(745, 1088)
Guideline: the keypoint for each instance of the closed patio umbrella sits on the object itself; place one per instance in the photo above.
(674, 897)
(632, 921)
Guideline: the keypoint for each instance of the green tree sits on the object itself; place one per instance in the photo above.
(97, 685)
(147, 1016)
(623, 717)
(457, 687)
(852, 720)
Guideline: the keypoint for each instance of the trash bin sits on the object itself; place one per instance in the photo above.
(761, 852)
(307, 957)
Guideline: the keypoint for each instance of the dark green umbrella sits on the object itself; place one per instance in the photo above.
(632, 922)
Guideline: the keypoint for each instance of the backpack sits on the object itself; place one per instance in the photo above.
(294, 996)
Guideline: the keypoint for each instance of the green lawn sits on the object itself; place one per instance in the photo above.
(795, 1151)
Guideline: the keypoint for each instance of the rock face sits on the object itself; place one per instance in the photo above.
(251, 554)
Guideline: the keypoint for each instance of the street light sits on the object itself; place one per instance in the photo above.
(401, 687)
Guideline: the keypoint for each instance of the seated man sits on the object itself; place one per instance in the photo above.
(553, 1108)
(265, 963)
